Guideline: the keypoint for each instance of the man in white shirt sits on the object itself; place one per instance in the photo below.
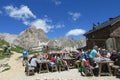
(34, 63)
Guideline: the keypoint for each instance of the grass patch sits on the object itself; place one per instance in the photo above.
(43, 51)
(33, 52)
(13, 48)
(3, 55)
(6, 69)
(17, 49)
(3, 42)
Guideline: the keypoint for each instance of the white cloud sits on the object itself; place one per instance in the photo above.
(21, 13)
(26, 22)
(42, 24)
(24, 14)
(57, 2)
(76, 32)
(75, 15)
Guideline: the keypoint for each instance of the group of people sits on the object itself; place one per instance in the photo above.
(89, 57)
(83, 59)
(52, 60)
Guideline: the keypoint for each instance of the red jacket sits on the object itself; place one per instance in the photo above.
(53, 59)
(87, 63)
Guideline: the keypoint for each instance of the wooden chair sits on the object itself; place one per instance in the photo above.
(61, 65)
(54, 68)
(29, 70)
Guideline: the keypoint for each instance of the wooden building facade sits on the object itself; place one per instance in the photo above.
(105, 35)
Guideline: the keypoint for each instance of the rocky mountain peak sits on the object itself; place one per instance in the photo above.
(31, 37)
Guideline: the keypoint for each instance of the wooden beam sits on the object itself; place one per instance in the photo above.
(98, 39)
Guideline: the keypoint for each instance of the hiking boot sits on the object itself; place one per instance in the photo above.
(82, 73)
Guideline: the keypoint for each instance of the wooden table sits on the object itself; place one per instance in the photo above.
(100, 64)
(46, 64)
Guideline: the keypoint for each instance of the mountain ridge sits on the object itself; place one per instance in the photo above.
(35, 37)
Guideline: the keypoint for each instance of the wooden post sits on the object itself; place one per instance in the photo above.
(114, 43)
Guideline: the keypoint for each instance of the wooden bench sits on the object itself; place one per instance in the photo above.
(115, 69)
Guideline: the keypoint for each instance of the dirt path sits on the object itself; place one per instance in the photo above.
(16, 67)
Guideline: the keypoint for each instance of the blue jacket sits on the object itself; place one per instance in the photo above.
(25, 53)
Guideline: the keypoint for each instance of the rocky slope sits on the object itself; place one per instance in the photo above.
(31, 37)
(8, 37)
(66, 43)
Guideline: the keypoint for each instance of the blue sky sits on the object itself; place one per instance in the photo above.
(71, 18)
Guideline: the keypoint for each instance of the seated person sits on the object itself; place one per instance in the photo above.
(87, 63)
(62, 62)
(108, 54)
(93, 55)
(33, 62)
(46, 56)
(43, 58)
(79, 58)
(105, 53)
(52, 60)
(70, 55)
(81, 67)
(88, 67)
(115, 57)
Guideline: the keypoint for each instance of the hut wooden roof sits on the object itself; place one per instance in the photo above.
(110, 22)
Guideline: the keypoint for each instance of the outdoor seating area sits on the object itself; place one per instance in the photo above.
(57, 62)
(43, 63)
